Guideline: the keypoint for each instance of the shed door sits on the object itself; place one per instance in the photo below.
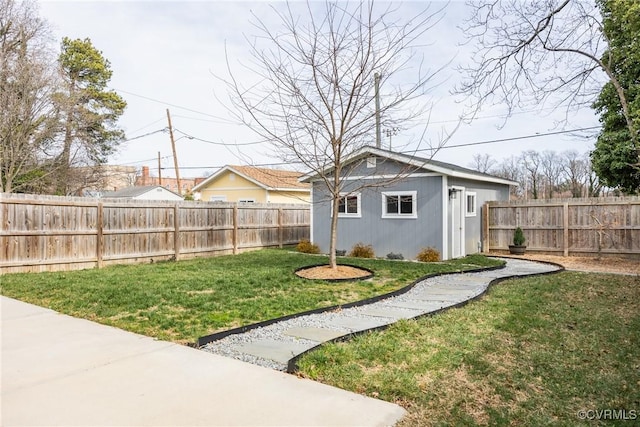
(456, 222)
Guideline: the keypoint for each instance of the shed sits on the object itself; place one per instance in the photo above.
(402, 203)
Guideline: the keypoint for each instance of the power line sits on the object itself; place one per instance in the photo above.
(144, 160)
(226, 144)
(146, 134)
(223, 120)
(493, 141)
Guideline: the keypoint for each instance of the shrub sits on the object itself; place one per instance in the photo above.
(428, 255)
(305, 246)
(360, 250)
(518, 237)
(391, 255)
(341, 252)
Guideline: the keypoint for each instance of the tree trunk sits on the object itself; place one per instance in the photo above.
(333, 263)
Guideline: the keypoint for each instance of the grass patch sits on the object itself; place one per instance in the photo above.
(181, 301)
(534, 351)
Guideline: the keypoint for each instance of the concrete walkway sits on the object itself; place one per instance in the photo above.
(62, 371)
(278, 345)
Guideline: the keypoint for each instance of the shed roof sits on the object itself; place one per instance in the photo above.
(448, 169)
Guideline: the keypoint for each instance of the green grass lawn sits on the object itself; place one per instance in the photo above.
(532, 352)
(181, 301)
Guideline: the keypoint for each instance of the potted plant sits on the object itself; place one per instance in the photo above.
(518, 246)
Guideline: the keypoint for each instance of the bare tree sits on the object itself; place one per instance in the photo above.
(27, 117)
(511, 168)
(551, 170)
(531, 163)
(318, 75)
(536, 51)
(576, 172)
(483, 163)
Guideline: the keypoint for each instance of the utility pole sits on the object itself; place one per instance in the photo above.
(175, 156)
(159, 171)
(376, 78)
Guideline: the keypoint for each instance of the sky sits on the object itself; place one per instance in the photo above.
(170, 55)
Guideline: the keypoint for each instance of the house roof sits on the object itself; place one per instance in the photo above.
(417, 162)
(269, 179)
(131, 192)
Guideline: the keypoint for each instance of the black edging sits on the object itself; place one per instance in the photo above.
(242, 329)
(307, 267)
(292, 365)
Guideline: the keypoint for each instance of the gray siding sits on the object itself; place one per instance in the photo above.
(485, 191)
(405, 236)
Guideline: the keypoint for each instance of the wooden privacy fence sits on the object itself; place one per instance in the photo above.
(566, 226)
(48, 233)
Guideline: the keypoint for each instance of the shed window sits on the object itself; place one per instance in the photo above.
(349, 206)
(400, 204)
(471, 204)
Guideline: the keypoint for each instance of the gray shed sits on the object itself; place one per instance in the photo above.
(423, 203)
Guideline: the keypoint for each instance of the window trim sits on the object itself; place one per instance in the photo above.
(358, 214)
(414, 207)
(474, 211)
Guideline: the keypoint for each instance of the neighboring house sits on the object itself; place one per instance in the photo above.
(93, 181)
(424, 203)
(149, 192)
(249, 184)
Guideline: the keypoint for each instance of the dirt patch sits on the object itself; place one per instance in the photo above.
(590, 264)
(325, 272)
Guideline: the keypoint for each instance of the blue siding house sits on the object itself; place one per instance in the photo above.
(401, 203)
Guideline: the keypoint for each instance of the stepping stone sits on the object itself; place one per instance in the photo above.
(279, 351)
(423, 306)
(437, 297)
(444, 290)
(355, 324)
(390, 312)
(314, 334)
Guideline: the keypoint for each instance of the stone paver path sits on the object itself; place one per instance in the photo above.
(277, 344)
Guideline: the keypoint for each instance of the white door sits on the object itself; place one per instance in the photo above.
(456, 222)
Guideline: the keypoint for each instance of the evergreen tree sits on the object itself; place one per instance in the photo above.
(88, 109)
(616, 158)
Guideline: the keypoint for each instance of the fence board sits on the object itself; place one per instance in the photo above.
(49, 233)
(566, 226)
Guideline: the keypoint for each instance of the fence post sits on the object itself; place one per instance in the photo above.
(485, 228)
(100, 235)
(565, 226)
(280, 230)
(235, 229)
(176, 232)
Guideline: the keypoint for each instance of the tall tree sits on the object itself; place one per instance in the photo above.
(551, 170)
(482, 163)
(552, 51)
(616, 158)
(27, 119)
(317, 76)
(576, 172)
(532, 164)
(89, 110)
